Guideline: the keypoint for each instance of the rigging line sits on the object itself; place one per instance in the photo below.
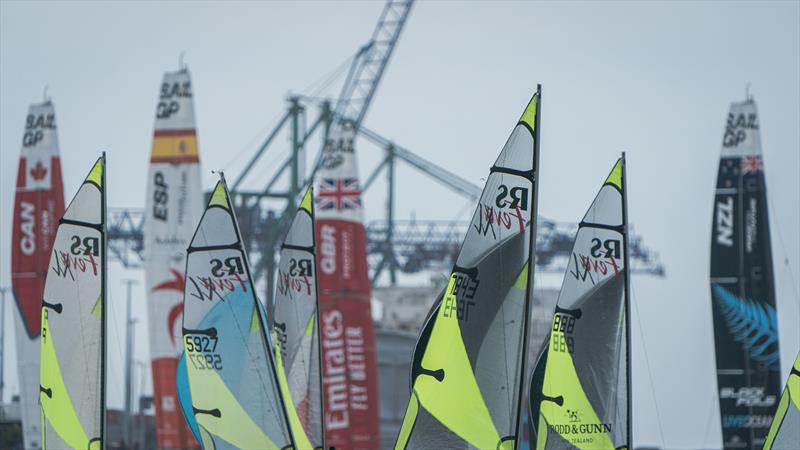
(323, 82)
(117, 340)
(786, 262)
(254, 140)
(647, 362)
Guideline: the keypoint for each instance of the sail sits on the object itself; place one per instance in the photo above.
(467, 371)
(742, 289)
(173, 207)
(579, 396)
(784, 433)
(72, 381)
(38, 203)
(350, 375)
(236, 400)
(296, 329)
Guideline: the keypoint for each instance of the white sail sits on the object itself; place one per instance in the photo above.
(235, 395)
(296, 329)
(173, 206)
(72, 381)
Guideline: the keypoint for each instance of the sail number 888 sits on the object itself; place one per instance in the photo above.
(562, 330)
(200, 350)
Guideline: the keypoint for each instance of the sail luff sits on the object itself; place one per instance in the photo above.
(531, 263)
(262, 323)
(258, 306)
(627, 289)
(103, 313)
(318, 321)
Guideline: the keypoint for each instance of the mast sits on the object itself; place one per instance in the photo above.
(531, 261)
(257, 305)
(103, 303)
(627, 287)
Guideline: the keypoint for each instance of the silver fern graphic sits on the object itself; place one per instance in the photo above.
(753, 324)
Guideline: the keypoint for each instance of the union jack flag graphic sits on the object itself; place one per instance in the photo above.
(339, 194)
(751, 164)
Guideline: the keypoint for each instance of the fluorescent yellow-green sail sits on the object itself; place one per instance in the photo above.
(615, 177)
(789, 399)
(219, 197)
(234, 425)
(300, 437)
(458, 391)
(529, 115)
(96, 174)
(58, 409)
(560, 377)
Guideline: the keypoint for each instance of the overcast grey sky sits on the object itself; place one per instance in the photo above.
(654, 79)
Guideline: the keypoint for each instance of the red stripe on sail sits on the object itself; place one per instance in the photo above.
(175, 132)
(176, 159)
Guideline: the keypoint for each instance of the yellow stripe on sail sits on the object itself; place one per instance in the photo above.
(174, 148)
(300, 438)
(57, 407)
(234, 424)
(575, 419)
(456, 401)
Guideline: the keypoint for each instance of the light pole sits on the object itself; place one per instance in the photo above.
(129, 330)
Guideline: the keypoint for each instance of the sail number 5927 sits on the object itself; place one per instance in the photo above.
(200, 350)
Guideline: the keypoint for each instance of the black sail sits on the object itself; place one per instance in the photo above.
(742, 286)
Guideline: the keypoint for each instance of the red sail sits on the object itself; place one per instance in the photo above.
(38, 204)
(350, 387)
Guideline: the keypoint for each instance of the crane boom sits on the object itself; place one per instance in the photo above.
(370, 63)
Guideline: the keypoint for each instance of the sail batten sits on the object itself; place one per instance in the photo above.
(468, 363)
(72, 368)
(235, 397)
(742, 286)
(580, 386)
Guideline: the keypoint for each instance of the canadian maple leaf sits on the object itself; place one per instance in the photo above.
(39, 171)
